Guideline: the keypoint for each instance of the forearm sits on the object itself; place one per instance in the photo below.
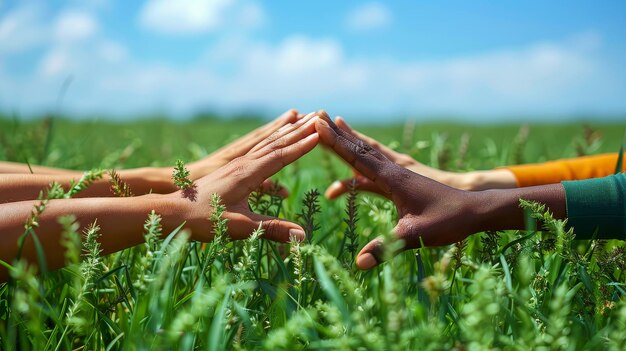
(595, 208)
(500, 209)
(551, 172)
(482, 180)
(23, 168)
(20, 187)
(120, 220)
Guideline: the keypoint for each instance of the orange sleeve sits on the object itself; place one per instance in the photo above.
(567, 169)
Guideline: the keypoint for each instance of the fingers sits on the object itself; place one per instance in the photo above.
(277, 159)
(241, 225)
(341, 123)
(297, 134)
(245, 174)
(377, 251)
(370, 255)
(281, 132)
(253, 169)
(322, 114)
(341, 187)
(244, 144)
(365, 159)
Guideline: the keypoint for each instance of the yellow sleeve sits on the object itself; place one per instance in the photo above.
(567, 169)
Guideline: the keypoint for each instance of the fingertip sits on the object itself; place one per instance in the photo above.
(289, 116)
(326, 133)
(366, 261)
(283, 192)
(293, 115)
(321, 125)
(334, 190)
(341, 123)
(306, 117)
(315, 136)
(323, 115)
(297, 234)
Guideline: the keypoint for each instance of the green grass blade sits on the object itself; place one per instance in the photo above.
(331, 290)
(216, 334)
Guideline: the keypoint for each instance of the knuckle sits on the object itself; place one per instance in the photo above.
(278, 144)
(238, 168)
(273, 137)
(278, 155)
(271, 228)
(362, 148)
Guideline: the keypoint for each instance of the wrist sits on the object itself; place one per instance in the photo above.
(490, 179)
(476, 207)
(194, 214)
(146, 180)
(488, 209)
(499, 209)
(463, 181)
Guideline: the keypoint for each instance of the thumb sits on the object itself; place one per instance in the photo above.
(370, 255)
(377, 251)
(275, 229)
(341, 187)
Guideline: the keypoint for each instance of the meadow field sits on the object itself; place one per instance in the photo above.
(516, 290)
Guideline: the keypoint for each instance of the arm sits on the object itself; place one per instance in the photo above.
(500, 178)
(18, 184)
(475, 180)
(595, 208)
(577, 168)
(121, 219)
(21, 187)
(435, 214)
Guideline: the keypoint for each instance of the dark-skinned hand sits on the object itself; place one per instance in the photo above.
(431, 213)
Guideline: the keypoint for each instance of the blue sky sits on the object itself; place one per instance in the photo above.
(480, 60)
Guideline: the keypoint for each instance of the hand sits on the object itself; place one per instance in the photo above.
(121, 218)
(473, 181)
(237, 179)
(429, 212)
(363, 183)
(241, 146)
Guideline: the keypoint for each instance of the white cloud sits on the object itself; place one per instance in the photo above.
(74, 26)
(309, 73)
(313, 73)
(296, 54)
(251, 15)
(113, 52)
(369, 16)
(54, 63)
(183, 16)
(20, 30)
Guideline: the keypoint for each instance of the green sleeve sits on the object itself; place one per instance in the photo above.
(597, 204)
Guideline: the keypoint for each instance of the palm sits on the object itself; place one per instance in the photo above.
(235, 181)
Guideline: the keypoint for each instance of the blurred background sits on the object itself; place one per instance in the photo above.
(473, 61)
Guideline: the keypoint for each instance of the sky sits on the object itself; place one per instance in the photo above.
(375, 61)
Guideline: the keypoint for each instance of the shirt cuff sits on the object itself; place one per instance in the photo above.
(596, 207)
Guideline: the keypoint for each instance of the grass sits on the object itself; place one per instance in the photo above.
(514, 290)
